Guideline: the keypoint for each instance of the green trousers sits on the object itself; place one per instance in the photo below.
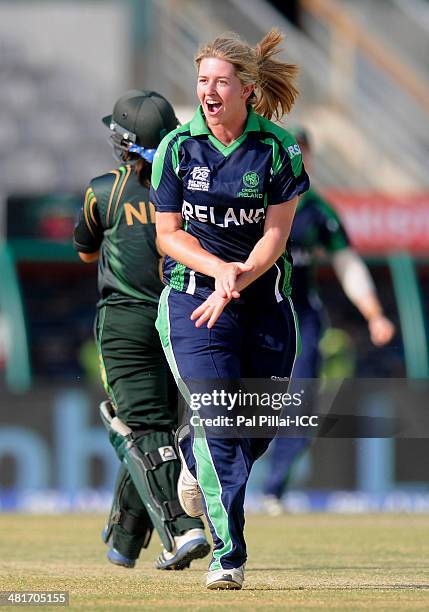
(134, 371)
(138, 381)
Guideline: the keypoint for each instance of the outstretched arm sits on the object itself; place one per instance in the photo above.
(357, 284)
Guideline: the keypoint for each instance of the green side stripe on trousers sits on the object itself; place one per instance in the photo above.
(103, 370)
(162, 324)
(206, 471)
(298, 340)
(212, 490)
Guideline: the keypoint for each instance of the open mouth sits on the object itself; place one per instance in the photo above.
(213, 107)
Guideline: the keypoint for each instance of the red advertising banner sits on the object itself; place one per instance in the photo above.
(379, 223)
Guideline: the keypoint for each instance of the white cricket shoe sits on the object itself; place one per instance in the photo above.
(188, 490)
(187, 547)
(225, 578)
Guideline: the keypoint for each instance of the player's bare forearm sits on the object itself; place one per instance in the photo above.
(183, 247)
(368, 305)
(265, 253)
(272, 244)
(381, 329)
(187, 250)
(358, 285)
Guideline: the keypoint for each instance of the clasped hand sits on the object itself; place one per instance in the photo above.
(225, 289)
(226, 276)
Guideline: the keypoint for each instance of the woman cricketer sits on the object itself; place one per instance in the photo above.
(225, 188)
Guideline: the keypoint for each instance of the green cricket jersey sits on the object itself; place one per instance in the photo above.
(117, 218)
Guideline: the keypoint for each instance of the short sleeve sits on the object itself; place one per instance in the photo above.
(332, 234)
(166, 191)
(288, 175)
(88, 233)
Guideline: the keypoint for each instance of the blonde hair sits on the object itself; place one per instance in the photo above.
(274, 81)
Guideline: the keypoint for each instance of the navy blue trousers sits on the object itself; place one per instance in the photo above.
(247, 341)
(286, 450)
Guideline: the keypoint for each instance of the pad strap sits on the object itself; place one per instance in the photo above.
(132, 524)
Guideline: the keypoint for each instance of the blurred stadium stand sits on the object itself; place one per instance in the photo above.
(350, 75)
(49, 134)
(364, 83)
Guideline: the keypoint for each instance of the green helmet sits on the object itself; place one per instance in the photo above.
(142, 118)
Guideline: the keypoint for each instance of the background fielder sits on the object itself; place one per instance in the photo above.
(317, 227)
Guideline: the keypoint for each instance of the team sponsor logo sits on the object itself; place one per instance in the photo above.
(200, 180)
(220, 216)
(293, 151)
(250, 189)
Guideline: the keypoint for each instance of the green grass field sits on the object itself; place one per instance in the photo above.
(308, 562)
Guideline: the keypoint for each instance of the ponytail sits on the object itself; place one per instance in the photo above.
(275, 88)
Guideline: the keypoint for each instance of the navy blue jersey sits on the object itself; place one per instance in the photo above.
(316, 225)
(222, 193)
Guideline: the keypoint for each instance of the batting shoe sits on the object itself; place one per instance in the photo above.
(188, 490)
(189, 546)
(223, 579)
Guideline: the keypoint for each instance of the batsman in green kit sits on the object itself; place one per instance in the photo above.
(116, 226)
